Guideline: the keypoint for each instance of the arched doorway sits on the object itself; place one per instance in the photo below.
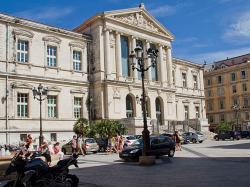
(129, 107)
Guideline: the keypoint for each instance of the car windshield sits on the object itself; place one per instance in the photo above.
(138, 143)
(131, 138)
(90, 141)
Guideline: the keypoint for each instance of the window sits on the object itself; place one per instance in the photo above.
(211, 119)
(221, 104)
(53, 137)
(22, 105)
(232, 62)
(197, 112)
(234, 89)
(154, 72)
(235, 101)
(173, 76)
(184, 84)
(244, 87)
(219, 79)
(245, 102)
(77, 61)
(209, 82)
(129, 107)
(22, 51)
(222, 117)
(24, 136)
(139, 42)
(125, 57)
(158, 111)
(243, 74)
(77, 107)
(210, 106)
(247, 115)
(186, 114)
(210, 93)
(195, 81)
(233, 76)
(51, 102)
(51, 56)
(220, 91)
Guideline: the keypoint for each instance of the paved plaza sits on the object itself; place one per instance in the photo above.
(212, 163)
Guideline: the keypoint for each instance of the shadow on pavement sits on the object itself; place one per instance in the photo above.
(171, 172)
(236, 146)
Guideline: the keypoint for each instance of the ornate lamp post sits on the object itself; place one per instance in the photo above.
(40, 94)
(236, 108)
(137, 54)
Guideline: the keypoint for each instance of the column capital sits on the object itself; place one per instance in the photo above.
(116, 32)
(160, 45)
(147, 41)
(169, 47)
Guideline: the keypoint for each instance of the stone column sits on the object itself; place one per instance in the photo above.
(161, 65)
(107, 54)
(118, 55)
(133, 45)
(149, 72)
(169, 66)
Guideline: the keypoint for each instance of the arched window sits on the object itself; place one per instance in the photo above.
(158, 111)
(129, 107)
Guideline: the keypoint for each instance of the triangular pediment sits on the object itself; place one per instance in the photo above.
(21, 85)
(139, 18)
(54, 88)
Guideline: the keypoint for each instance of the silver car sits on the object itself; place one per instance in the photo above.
(129, 140)
(194, 137)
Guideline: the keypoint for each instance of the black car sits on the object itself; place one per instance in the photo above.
(160, 145)
(245, 134)
(102, 144)
(227, 135)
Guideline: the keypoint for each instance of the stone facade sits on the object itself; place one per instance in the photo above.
(100, 83)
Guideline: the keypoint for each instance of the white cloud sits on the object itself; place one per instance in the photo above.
(166, 10)
(215, 56)
(45, 13)
(239, 31)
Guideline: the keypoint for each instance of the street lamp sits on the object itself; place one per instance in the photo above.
(40, 94)
(137, 54)
(236, 108)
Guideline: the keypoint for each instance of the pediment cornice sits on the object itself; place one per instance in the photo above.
(53, 39)
(21, 85)
(23, 32)
(77, 44)
(54, 88)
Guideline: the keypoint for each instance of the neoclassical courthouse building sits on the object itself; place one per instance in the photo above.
(87, 73)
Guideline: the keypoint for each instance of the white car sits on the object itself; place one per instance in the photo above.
(128, 140)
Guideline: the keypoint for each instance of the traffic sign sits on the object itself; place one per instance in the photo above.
(122, 126)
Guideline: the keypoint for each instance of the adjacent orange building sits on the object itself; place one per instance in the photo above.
(227, 83)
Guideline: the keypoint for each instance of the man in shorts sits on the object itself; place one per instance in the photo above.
(73, 145)
(80, 144)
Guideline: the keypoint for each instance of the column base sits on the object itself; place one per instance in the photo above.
(147, 160)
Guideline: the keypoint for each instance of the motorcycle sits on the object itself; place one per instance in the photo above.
(36, 173)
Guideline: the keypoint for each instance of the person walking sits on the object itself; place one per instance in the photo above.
(45, 153)
(117, 142)
(22, 145)
(107, 143)
(29, 141)
(113, 145)
(177, 140)
(80, 144)
(121, 142)
(74, 146)
(57, 151)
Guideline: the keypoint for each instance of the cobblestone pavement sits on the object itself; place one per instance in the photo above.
(210, 164)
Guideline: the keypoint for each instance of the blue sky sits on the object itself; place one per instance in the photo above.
(208, 30)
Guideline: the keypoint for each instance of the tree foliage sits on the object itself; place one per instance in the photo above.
(222, 127)
(81, 126)
(108, 127)
(232, 124)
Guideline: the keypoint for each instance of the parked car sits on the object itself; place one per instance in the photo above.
(90, 145)
(227, 135)
(128, 140)
(160, 145)
(101, 143)
(245, 134)
(194, 137)
(138, 136)
(185, 140)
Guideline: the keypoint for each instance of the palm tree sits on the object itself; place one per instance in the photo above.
(81, 126)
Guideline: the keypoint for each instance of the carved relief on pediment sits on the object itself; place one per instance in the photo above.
(77, 44)
(21, 85)
(52, 39)
(24, 32)
(187, 101)
(138, 20)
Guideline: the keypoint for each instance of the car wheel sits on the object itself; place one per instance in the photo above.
(217, 138)
(231, 138)
(126, 160)
(102, 149)
(171, 153)
(248, 137)
(194, 140)
(223, 139)
(94, 152)
(200, 141)
(64, 151)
